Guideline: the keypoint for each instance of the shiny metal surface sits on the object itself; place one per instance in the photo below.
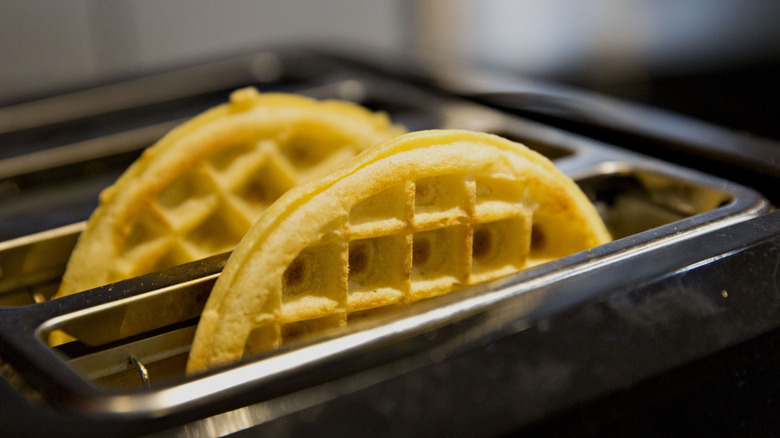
(654, 209)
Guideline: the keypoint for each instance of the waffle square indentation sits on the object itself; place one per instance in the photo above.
(544, 245)
(310, 144)
(218, 232)
(187, 188)
(224, 158)
(499, 248)
(315, 283)
(383, 213)
(264, 184)
(440, 260)
(378, 271)
(497, 197)
(440, 200)
(146, 226)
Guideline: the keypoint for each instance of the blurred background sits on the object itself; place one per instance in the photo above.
(713, 59)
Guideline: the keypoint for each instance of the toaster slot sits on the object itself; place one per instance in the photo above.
(148, 336)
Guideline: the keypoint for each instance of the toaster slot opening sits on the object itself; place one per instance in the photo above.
(150, 334)
(109, 344)
(636, 200)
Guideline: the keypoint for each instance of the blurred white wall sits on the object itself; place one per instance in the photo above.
(46, 45)
(570, 37)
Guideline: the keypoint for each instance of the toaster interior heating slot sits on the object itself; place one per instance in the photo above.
(631, 201)
(146, 362)
(124, 320)
(31, 266)
(638, 200)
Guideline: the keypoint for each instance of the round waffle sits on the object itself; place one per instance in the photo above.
(415, 217)
(201, 187)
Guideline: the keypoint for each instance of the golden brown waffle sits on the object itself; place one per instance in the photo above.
(415, 217)
(200, 188)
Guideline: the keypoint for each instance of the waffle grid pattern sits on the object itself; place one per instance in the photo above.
(415, 240)
(206, 209)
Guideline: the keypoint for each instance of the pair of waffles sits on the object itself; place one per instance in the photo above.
(382, 219)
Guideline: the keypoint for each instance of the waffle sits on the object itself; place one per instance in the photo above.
(418, 216)
(201, 187)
